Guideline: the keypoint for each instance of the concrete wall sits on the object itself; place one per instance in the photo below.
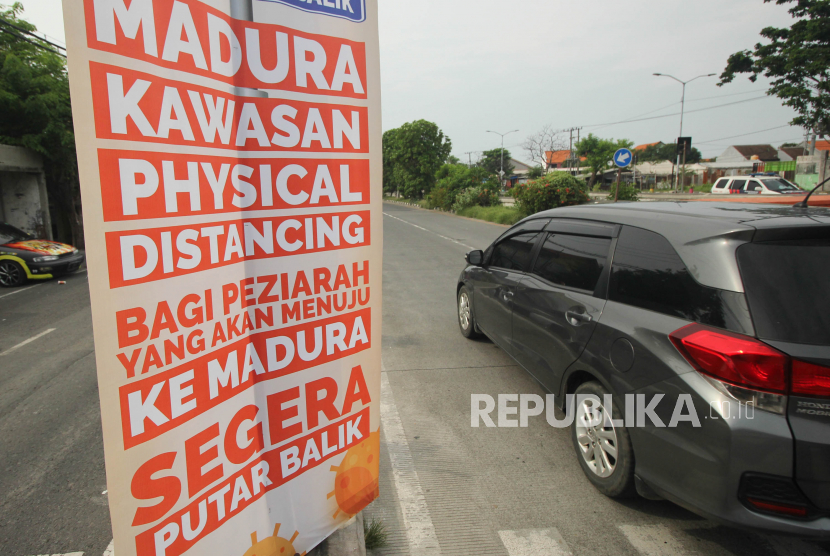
(812, 169)
(23, 199)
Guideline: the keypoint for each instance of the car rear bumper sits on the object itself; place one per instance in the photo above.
(704, 468)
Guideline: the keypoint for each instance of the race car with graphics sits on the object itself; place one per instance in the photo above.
(22, 257)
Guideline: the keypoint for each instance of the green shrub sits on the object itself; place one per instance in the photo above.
(627, 193)
(500, 214)
(374, 534)
(476, 197)
(557, 189)
(441, 197)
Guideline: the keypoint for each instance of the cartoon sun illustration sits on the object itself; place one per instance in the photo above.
(356, 482)
(273, 546)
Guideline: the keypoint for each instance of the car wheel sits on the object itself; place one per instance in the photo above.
(603, 450)
(466, 315)
(11, 274)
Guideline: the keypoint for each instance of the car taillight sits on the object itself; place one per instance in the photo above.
(733, 358)
(810, 380)
(776, 508)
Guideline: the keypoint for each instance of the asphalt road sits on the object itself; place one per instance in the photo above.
(453, 490)
(51, 451)
(500, 491)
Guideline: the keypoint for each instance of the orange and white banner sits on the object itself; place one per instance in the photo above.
(230, 163)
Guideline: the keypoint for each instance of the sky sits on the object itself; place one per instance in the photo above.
(471, 66)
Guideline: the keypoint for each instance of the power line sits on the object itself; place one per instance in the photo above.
(677, 113)
(723, 96)
(22, 30)
(639, 115)
(741, 135)
(15, 35)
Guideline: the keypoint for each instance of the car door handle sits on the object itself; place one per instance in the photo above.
(578, 319)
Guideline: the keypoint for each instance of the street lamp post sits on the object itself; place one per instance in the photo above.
(501, 168)
(682, 109)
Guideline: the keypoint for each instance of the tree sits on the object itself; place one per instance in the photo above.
(797, 60)
(599, 153)
(453, 160)
(535, 172)
(545, 140)
(37, 114)
(661, 153)
(492, 162)
(412, 154)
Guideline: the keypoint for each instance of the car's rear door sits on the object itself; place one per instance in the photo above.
(557, 305)
(786, 284)
(495, 283)
(737, 186)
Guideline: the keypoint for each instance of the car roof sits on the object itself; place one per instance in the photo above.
(705, 234)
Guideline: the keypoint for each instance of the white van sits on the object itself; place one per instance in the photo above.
(756, 184)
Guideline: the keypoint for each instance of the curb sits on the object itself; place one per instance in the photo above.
(347, 541)
(448, 212)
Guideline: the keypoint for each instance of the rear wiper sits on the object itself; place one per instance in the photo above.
(803, 204)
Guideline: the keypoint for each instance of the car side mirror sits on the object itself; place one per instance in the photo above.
(475, 258)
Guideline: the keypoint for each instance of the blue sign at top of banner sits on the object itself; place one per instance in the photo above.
(353, 10)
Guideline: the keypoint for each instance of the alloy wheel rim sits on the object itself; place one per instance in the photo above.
(464, 311)
(9, 274)
(596, 437)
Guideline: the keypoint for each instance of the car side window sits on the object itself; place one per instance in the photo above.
(754, 185)
(572, 261)
(737, 185)
(721, 183)
(648, 273)
(514, 253)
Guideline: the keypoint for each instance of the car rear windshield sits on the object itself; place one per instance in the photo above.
(780, 185)
(10, 234)
(786, 287)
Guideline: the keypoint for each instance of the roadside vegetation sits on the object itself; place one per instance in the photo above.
(375, 534)
(499, 215)
(37, 115)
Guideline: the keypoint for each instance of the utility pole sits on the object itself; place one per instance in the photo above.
(469, 159)
(682, 110)
(501, 170)
(571, 152)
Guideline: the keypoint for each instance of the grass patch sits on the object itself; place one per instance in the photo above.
(499, 215)
(375, 534)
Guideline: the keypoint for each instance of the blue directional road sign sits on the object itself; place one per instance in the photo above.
(623, 158)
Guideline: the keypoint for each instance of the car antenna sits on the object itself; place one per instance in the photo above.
(803, 204)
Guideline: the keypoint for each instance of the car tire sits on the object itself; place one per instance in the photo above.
(11, 274)
(604, 451)
(466, 314)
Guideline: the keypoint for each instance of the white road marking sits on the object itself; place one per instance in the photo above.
(110, 551)
(18, 291)
(535, 542)
(29, 341)
(429, 231)
(653, 540)
(65, 554)
(420, 531)
(786, 546)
